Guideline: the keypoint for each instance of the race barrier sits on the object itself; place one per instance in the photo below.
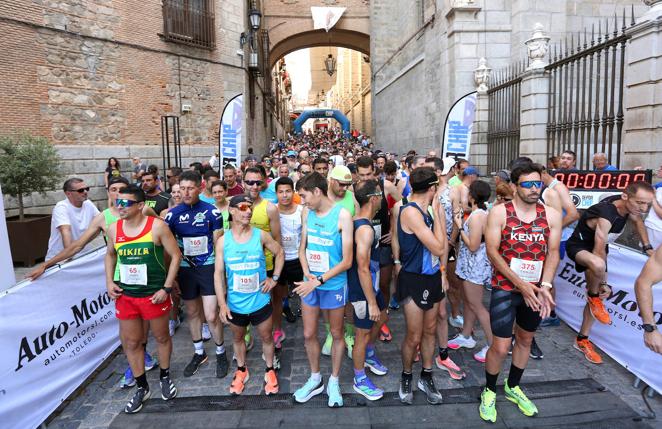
(623, 338)
(55, 332)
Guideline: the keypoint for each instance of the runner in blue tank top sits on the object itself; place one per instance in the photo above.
(241, 271)
(325, 254)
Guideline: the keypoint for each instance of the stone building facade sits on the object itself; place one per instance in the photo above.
(96, 76)
(351, 91)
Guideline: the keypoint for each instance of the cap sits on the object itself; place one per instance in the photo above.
(503, 175)
(341, 174)
(470, 170)
(238, 199)
(449, 162)
(291, 153)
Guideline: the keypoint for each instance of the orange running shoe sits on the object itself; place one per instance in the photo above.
(586, 347)
(239, 382)
(270, 383)
(597, 308)
(385, 334)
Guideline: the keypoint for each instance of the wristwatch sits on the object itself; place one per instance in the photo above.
(647, 247)
(275, 277)
(320, 279)
(547, 285)
(648, 327)
(168, 290)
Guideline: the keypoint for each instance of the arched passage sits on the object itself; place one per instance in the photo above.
(309, 39)
(322, 113)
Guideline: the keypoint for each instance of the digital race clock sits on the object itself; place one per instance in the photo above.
(590, 187)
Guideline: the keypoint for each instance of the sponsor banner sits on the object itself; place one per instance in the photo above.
(56, 331)
(584, 199)
(231, 128)
(7, 278)
(623, 338)
(324, 18)
(458, 127)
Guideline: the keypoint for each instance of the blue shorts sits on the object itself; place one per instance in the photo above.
(326, 299)
(361, 316)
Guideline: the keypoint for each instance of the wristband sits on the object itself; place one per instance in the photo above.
(397, 261)
(443, 268)
(647, 247)
(167, 290)
(547, 285)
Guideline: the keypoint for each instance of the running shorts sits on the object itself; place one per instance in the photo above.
(361, 316)
(425, 290)
(196, 281)
(507, 308)
(254, 318)
(129, 307)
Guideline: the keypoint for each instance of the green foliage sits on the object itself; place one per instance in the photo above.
(28, 164)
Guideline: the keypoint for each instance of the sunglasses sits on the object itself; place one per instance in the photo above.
(253, 182)
(81, 190)
(376, 194)
(344, 185)
(244, 207)
(124, 203)
(528, 184)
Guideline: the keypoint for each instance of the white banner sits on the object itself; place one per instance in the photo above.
(326, 17)
(230, 132)
(623, 338)
(55, 332)
(458, 126)
(7, 278)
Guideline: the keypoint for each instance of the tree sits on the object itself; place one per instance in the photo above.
(28, 164)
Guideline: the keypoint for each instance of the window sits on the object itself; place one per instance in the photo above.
(190, 22)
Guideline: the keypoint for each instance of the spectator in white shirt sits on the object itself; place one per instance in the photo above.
(71, 216)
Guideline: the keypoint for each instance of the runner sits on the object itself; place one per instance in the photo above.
(650, 275)
(219, 190)
(421, 285)
(367, 301)
(137, 243)
(325, 254)
(588, 247)
(197, 226)
(522, 241)
(241, 271)
(154, 197)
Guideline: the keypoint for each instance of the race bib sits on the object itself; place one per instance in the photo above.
(194, 246)
(435, 260)
(133, 274)
(317, 261)
(247, 284)
(378, 231)
(290, 242)
(529, 271)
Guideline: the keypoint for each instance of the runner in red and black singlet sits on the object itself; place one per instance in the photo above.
(522, 241)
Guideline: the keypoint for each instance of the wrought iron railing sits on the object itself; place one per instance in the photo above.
(190, 22)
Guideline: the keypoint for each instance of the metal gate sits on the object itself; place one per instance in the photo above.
(170, 143)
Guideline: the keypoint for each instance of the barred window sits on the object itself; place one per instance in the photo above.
(190, 22)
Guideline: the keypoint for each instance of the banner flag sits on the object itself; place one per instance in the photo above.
(324, 18)
(230, 131)
(623, 339)
(7, 279)
(55, 332)
(458, 127)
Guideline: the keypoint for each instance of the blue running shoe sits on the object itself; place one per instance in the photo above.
(127, 379)
(393, 305)
(335, 397)
(150, 362)
(365, 387)
(308, 390)
(550, 321)
(375, 365)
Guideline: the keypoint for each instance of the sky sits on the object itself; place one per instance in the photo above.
(298, 67)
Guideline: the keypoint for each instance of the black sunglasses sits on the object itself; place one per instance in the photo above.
(81, 190)
(253, 182)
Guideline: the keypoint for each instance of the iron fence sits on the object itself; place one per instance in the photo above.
(170, 139)
(190, 22)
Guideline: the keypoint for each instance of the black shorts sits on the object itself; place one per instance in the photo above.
(292, 272)
(196, 281)
(451, 254)
(572, 247)
(254, 318)
(507, 308)
(424, 289)
(385, 256)
(360, 309)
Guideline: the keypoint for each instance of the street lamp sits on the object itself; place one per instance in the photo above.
(254, 16)
(330, 65)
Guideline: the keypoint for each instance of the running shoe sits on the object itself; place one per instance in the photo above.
(375, 365)
(454, 371)
(248, 339)
(206, 333)
(127, 379)
(168, 389)
(457, 321)
(136, 402)
(597, 308)
(239, 382)
(487, 408)
(334, 394)
(308, 390)
(289, 315)
(461, 341)
(393, 304)
(550, 321)
(173, 325)
(270, 383)
(516, 396)
(535, 351)
(404, 392)
(480, 356)
(221, 365)
(276, 361)
(150, 362)
(385, 334)
(349, 343)
(586, 347)
(279, 337)
(363, 386)
(195, 363)
(328, 342)
(426, 385)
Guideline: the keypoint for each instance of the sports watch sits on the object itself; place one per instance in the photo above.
(275, 277)
(648, 327)
(320, 279)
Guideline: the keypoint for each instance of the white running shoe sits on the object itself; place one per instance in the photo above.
(206, 333)
(480, 356)
(461, 341)
(456, 322)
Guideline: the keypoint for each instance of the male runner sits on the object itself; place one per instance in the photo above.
(650, 275)
(321, 165)
(522, 240)
(325, 254)
(154, 198)
(138, 243)
(209, 177)
(197, 225)
(421, 285)
(588, 247)
(367, 301)
(241, 272)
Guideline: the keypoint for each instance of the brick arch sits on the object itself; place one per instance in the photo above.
(339, 38)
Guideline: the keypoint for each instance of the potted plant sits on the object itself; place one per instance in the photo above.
(28, 164)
